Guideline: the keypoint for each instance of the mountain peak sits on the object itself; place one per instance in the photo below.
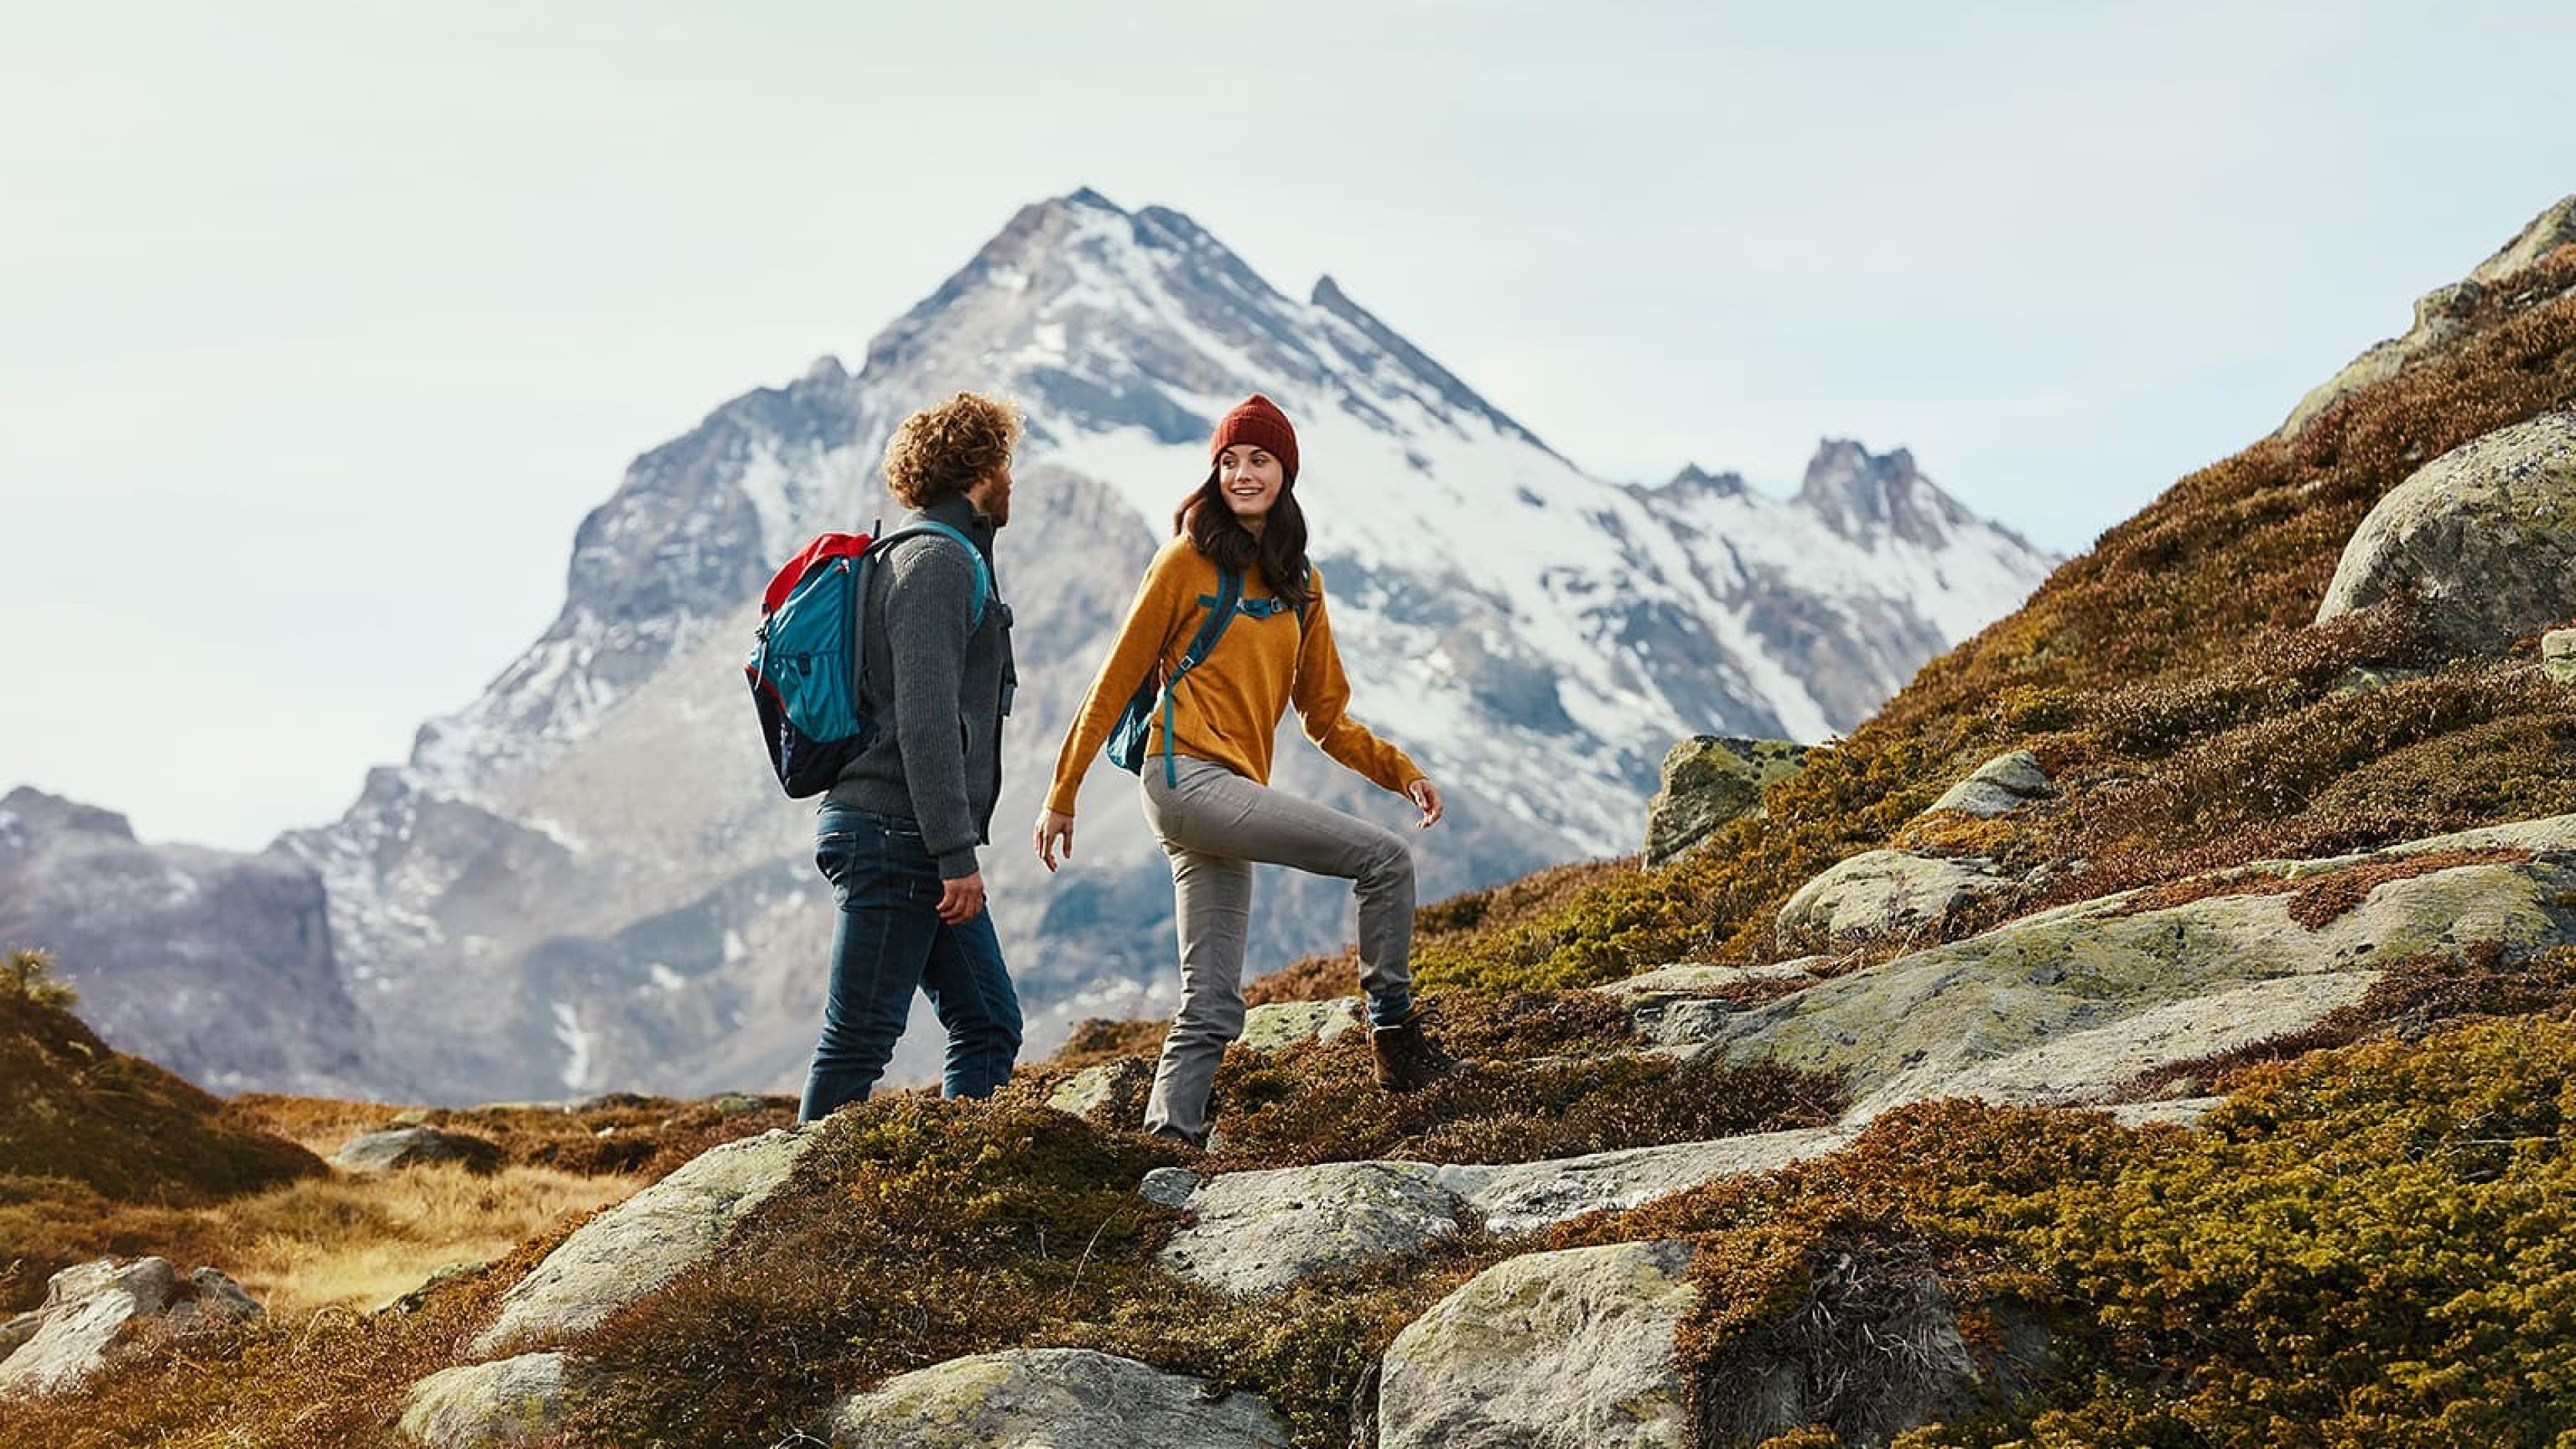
(1695, 479)
(30, 806)
(1865, 496)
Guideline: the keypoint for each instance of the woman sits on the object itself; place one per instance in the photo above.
(1206, 772)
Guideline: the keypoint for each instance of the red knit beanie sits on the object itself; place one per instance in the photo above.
(1258, 421)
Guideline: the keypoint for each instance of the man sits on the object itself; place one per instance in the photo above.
(896, 835)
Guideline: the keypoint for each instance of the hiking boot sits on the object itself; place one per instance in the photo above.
(1406, 1055)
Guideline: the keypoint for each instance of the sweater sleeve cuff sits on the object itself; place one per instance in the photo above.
(958, 864)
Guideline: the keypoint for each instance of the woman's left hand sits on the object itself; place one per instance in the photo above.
(1426, 795)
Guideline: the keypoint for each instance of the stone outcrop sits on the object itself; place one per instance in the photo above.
(1707, 781)
(396, 1148)
(1112, 1090)
(647, 1240)
(1566, 1350)
(1053, 1398)
(88, 1304)
(2483, 538)
(2439, 315)
(1881, 893)
(488, 1405)
(1274, 1025)
(2061, 1006)
(2000, 786)
(1259, 1232)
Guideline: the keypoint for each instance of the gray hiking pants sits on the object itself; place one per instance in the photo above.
(1214, 824)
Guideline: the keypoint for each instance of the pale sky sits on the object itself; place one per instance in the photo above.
(321, 326)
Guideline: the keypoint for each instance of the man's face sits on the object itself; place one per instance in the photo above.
(992, 497)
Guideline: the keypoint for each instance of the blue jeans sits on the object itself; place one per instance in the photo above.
(888, 941)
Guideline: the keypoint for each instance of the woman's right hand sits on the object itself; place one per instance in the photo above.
(1054, 835)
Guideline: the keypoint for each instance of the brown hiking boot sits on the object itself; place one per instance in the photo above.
(1406, 1055)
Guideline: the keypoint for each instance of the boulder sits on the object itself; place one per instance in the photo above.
(2483, 536)
(2558, 655)
(216, 1299)
(1709, 780)
(1276, 1024)
(647, 1240)
(1566, 1350)
(2065, 1005)
(1052, 1398)
(18, 1330)
(1113, 1089)
(487, 1405)
(396, 1148)
(86, 1306)
(1884, 892)
(1259, 1232)
(2000, 786)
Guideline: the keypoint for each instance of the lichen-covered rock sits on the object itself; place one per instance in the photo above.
(2062, 1006)
(2558, 655)
(86, 1306)
(1259, 1232)
(647, 1240)
(396, 1148)
(1116, 1089)
(1709, 780)
(1053, 1398)
(1568, 1350)
(2000, 786)
(488, 1405)
(2483, 536)
(1523, 1197)
(1884, 892)
(214, 1299)
(1683, 977)
(1276, 1024)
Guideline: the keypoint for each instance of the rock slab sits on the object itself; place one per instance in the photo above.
(2063, 1006)
(647, 1240)
(2558, 655)
(1259, 1232)
(1053, 1398)
(1566, 1350)
(487, 1405)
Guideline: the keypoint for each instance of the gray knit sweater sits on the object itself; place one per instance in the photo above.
(938, 693)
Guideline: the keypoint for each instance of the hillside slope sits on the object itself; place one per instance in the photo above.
(2231, 1109)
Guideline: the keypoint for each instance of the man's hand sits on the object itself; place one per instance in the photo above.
(961, 899)
(1054, 835)
(1426, 795)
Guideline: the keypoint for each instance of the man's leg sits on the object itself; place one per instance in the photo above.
(971, 990)
(879, 946)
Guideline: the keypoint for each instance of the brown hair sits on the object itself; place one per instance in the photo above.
(940, 452)
(1279, 549)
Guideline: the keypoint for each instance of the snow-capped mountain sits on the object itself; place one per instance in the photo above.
(587, 880)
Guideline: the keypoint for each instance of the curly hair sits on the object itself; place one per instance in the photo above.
(942, 451)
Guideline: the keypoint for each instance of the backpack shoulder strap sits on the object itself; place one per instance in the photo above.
(1221, 610)
(975, 556)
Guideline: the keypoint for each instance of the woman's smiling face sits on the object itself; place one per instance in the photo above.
(1250, 478)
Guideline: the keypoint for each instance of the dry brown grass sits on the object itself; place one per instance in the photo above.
(359, 1242)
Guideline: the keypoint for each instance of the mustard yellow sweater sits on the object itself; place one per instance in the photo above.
(1227, 710)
